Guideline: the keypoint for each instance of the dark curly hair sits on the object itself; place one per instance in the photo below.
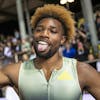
(57, 12)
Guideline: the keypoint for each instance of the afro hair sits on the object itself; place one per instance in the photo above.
(58, 12)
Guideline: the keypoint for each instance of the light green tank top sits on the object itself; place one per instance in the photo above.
(63, 83)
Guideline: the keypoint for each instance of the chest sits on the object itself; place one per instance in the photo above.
(61, 86)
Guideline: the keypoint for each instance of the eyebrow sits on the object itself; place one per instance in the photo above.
(40, 25)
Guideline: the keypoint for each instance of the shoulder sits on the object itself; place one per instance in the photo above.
(11, 67)
(70, 60)
(85, 69)
(87, 75)
(10, 74)
(12, 70)
(90, 79)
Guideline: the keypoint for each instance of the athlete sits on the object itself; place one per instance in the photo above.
(50, 76)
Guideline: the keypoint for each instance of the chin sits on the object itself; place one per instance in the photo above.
(44, 56)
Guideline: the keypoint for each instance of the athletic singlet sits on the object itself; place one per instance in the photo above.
(62, 85)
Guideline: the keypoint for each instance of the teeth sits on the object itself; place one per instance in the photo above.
(42, 46)
(42, 42)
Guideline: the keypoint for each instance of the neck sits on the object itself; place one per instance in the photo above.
(52, 63)
(48, 65)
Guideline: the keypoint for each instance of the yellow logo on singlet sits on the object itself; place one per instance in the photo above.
(65, 76)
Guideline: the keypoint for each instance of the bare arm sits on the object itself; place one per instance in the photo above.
(89, 79)
(9, 75)
(4, 79)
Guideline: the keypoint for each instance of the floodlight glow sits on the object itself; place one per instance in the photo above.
(63, 1)
(70, 1)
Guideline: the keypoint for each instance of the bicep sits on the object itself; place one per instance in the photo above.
(92, 81)
(4, 79)
(94, 85)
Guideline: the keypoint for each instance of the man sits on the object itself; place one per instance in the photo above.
(50, 76)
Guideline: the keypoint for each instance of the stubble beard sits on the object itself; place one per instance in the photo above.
(47, 55)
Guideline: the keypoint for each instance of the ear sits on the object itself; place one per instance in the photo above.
(63, 40)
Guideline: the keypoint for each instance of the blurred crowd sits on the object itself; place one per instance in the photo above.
(81, 47)
(13, 48)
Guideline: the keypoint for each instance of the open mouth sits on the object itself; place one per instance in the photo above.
(42, 46)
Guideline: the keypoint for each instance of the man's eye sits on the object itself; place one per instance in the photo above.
(53, 31)
(38, 29)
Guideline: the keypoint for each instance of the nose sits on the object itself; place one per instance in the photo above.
(45, 32)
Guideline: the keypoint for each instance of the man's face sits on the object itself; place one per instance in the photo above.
(48, 36)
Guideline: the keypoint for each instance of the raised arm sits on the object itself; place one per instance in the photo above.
(89, 79)
(9, 75)
(4, 79)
